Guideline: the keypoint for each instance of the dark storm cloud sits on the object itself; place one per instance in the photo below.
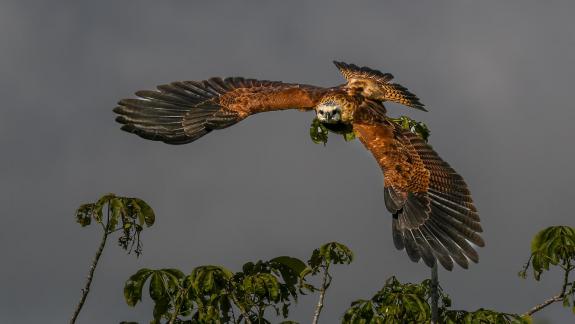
(497, 77)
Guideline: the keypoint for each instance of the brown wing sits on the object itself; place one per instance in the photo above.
(181, 112)
(433, 214)
(376, 85)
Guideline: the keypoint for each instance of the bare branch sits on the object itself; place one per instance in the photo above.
(434, 294)
(325, 284)
(86, 289)
(559, 297)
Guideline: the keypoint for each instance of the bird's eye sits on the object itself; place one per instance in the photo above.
(321, 112)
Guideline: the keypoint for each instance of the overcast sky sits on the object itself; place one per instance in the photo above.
(497, 78)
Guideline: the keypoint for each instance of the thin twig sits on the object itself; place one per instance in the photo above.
(434, 294)
(86, 289)
(177, 306)
(559, 297)
(241, 309)
(325, 284)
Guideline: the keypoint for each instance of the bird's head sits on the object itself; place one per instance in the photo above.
(329, 111)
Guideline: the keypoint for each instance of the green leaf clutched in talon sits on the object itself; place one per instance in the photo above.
(319, 131)
(413, 126)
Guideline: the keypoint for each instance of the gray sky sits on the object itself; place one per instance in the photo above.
(497, 78)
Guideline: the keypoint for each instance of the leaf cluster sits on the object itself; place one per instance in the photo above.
(484, 316)
(554, 246)
(394, 303)
(413, 126)
(320, 261)
(319, 131)
(214, 294)
(128, 215)
(397, 302)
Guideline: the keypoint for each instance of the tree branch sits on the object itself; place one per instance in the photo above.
(324, 286)
(559, 297)
(434, 294)
(241, 309)
(86, 289)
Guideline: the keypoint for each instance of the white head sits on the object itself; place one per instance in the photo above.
(328, 112)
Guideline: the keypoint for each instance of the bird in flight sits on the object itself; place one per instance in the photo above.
(433, 215)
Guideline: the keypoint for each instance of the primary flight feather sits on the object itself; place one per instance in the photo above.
(433, 215)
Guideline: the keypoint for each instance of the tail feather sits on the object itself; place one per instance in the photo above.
(440, 252)
(451, 247)
(424, 247)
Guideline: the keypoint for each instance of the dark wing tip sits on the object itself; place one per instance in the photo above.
(420, 106)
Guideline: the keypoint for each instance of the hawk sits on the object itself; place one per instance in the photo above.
(433, 215)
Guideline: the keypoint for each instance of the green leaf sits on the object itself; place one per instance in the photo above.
(348, 137)
(330, 253)
(99, 205)
(318, 132)
(117, 207)
(146, 211)
(553, 246)
(210, 279)
(84, 214)
(413, 126)
(294, 264)
(133, 286)
(157, 290)
(161, 308)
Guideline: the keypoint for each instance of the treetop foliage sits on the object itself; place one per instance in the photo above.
(214, 294)
(125, 214)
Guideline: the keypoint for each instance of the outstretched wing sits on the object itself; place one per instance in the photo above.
(433, 214)
(376, 85)
(181, 112)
